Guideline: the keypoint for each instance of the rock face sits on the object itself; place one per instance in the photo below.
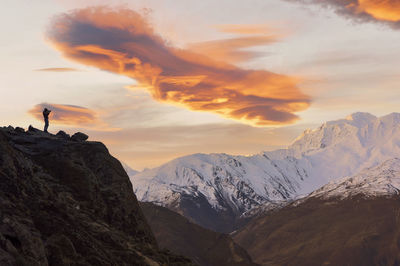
(203, 246)
(69, 203)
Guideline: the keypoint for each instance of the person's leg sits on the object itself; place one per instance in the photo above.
(46, 125)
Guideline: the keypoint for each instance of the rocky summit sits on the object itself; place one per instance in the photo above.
(67, 201)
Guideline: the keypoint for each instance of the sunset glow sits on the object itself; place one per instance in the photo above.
(363, 10)
(159, 79)
(381, 9)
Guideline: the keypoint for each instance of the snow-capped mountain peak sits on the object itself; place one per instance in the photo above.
(237, 184)
(361, 118)
(332, 133)
(359, 131)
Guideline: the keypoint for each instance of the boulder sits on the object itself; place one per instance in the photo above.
(79, 136)
(32, 129)
(63, 135)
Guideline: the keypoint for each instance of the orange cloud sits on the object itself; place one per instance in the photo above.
(381, 9)
(66, 114)
(122, 41)
(387, 11)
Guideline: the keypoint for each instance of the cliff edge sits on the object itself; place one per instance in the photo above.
(67, 201)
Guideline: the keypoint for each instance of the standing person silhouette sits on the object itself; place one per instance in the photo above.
(46, 113)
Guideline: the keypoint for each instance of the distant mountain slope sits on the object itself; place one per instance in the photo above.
(381, 180)
(69, 202)
(352, 221)
(204, 247)
(357, 231)
(214, 190)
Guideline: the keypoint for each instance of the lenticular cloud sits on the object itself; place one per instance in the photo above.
(123, 42)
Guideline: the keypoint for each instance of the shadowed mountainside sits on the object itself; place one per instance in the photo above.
(353, 231)
(66, 201)
(203, 246)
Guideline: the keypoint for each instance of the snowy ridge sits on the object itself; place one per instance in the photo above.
(237, 182)
(240, 183)
(376, 181)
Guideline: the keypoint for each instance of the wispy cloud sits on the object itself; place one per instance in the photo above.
(384, 11)
(338, 59)
(57, 69)
(70, 115)
(254, 29)
(232, 49)
(123, 42)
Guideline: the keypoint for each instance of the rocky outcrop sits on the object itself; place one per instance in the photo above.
(203, 246)
(65, 202)
(63, 135)
(79, 136)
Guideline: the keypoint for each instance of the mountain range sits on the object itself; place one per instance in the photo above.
(216, 191)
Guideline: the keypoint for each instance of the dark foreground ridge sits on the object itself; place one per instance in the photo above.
(67, 201)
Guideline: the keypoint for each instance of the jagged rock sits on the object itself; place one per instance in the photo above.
(32, 129)
(19, 130)
(63, 135)
(79, 136)
(70, 203)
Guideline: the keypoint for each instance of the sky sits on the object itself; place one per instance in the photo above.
(159, 79)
